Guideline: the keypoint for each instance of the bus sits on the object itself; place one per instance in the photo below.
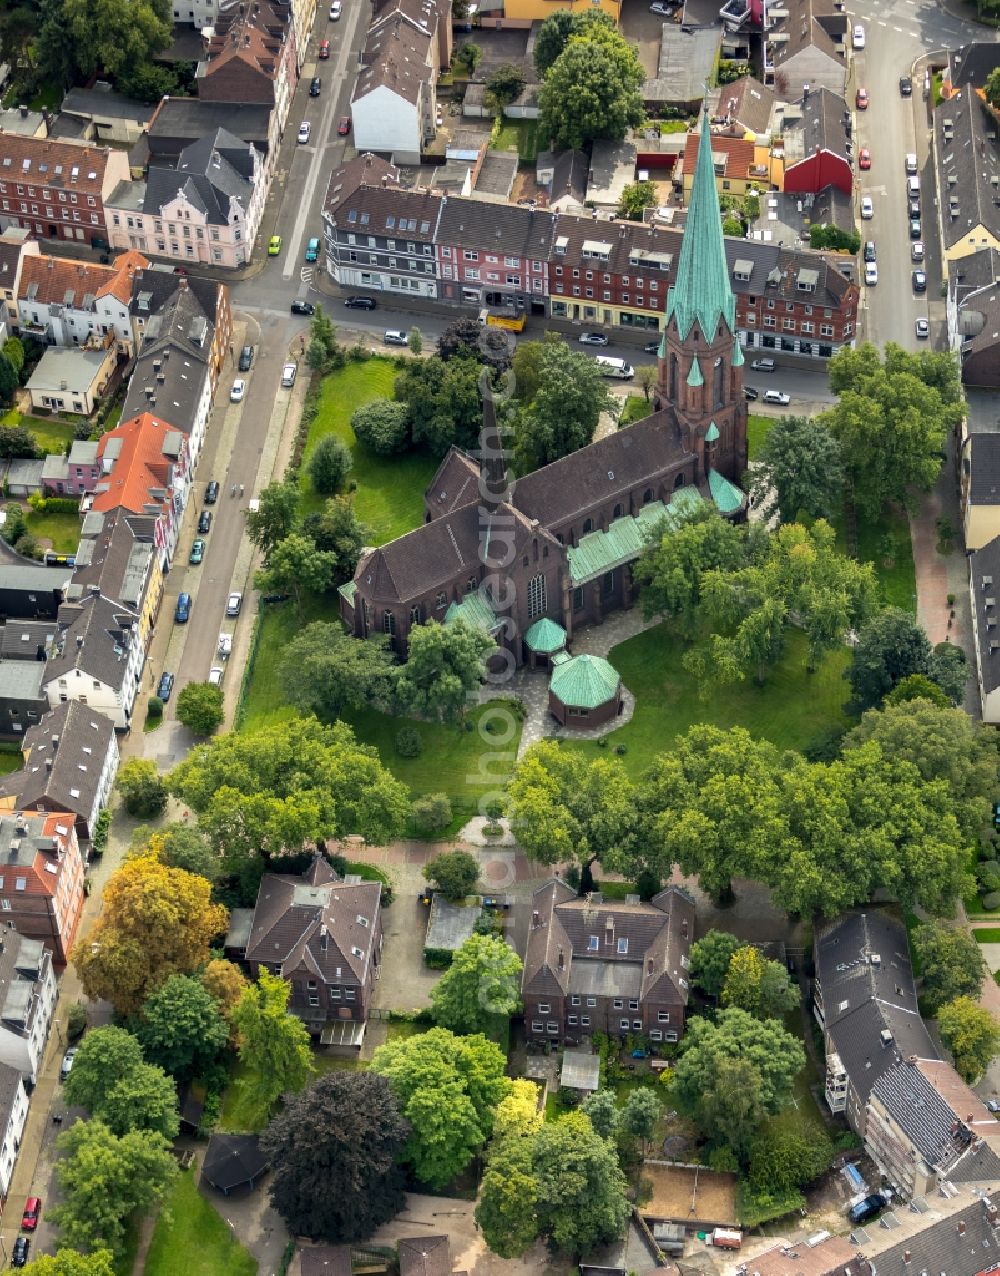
(611, 367)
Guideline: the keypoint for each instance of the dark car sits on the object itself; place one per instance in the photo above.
(165, 686)
(749, 393)
(867, 1209)
(19, 1254)
(359, 303)
(211, 492)
(246, 358)
(905, 86)
(32, 1209)
(205, 521)
(919, 281)
(303, 308)
(182, 612)
(869, 250)
(915, 231)
(651, 347)
(315, 86)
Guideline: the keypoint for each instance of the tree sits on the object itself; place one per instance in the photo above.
(505, 83)
(947, 666)
(13, 349)
(275, 518)
(17, 440)
(469, 55)
(467, 338)
(602, 1109)
(481, 988)
(448, 1088)
(200, 707)
(991, 88)
(142, 790)
(890, 647)
(508, 1195)
(117, 1087)
(971, 1035)
(639, 1115)
(329, 465)
(636, 198)
(555, 32)
(445, 665)
(156, 921)
(950, 963)
(69, 1262)
(273, 1044)
(528, 361)
(225, 983)
(917, 687)
(323, 353)
(443, 402)
(563, 415)
(115, 35)
(582, 1193)
(177, 845)
(789, 1151)
(709, 960)
(454, 873)
(647, 377)
(381, 426)
(104, 1179)
(432, 813)
(591, 91)
(325, 671)
(758, 986)
(566, 807)
(296, 567)
(800, 471)
(672, 568)
(335, 529)
(181, 1027)
(149, 82)
(891, 420)
(334, 1153)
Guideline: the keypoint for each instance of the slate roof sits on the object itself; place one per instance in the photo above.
(809, 22)
(325, 1260)
(10, 256)
(93, 638)
(396, 57)
(963, 1243)
(11, 1086)
(983, 453)
(114, 555)
(363, 170)
(425, 1256)
(178, 339)
(84, 738)
(585, 682)
(180, 120)
(748, 103)
(312, 921)
(26, 639)
(984, 573)
(211, 174)
(499, 228)
(967, 167)
(822, 123)
(972, 63)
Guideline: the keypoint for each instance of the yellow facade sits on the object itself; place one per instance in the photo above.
(768, 172)
(977, 238)
(150, 602)
(524, 12)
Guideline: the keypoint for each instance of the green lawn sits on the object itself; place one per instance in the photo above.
(279, 623)
(987, 934)
(237, 1114)
(390, 491)
(51, 436)
(10, 758)
(520, 136)
(792, 708)
(758, 428)
(61, 528)
(193, 1239)
(123, 1265)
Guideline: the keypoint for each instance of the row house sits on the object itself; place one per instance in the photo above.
(15, 249)
(27, 990)
(96, 658)
(251, 58)
(805, 45)
(503, 258)
(74, 303)
(178, 122)
(206, 209)
(41, 890)
(57, 190)
(816, 145)
(117, 554)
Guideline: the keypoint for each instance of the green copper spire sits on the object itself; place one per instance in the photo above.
(694, 376)
(738, 360)
(702, 291)
(712, 433)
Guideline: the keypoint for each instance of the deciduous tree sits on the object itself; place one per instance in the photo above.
(758, 986)
(445, 665)
(324, 671)
(334, 1153)
(275, 518)
(296, 567)
(602, 1109)
(528, 365)
(181, 1027)
(454, 873)
(273, 1044)
(564, 412)
(116, 1085)
(467, 338)
(636, 198)
(200, 707)
(115, 35)
(481, 988)
(673, 566)
(582, 1193)
(971, 1034)
(891, 646)
(950, 963)
(225, 982)
(336, 530)
(800, 471)
(142, 790)
(789, 1151)
(70, 1262)
(592, 90)
(709, 960)
(8, 381)
(329, 465)
(381, 426)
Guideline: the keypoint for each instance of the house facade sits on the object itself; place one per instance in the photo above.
(251, 58)
(73, 379)
(56, 190)
(979, 489)
(13, 1117)
(27, 1002)
(96, 658)
(41, 883)
(71, 303)
(596, 966)
(817, 148)
(23, 701)
(984, 582)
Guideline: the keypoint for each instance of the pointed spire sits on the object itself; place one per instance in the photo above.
(712, 433)
(702, 291)
(694, 377)
(738, 360)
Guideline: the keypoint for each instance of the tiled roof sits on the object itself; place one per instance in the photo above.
(968, 165)
(35, 851)
(140, 475)
(829, 1258)
(821, 125)
(984, 573)
(585, 682)
(983, 454)
(747, 103)
(502, 228)
(424, 1256)
(809, 22)
(244, 53)
(59, 165)
(735, 154)
(114, 555)
(84, 739)
(455, 483)
(362, 170)
(396, 56)
(94, 636)
(173, 364)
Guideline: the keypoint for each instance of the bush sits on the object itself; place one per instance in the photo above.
(991, 901)
(988, 874)
(432, 813)
(76, 1022)
(154, 707)
(408, 742)
(454, 873)
(54, 504)
(647, 884)
(437, 958)
(100, 832)
(493, 810)
(329, 465)
(142, 790)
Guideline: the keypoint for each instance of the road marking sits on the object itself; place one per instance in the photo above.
(306, 274)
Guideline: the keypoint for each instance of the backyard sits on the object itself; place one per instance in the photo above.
(58, 530)
(192, 1239)
(517, 135)
(52, 436)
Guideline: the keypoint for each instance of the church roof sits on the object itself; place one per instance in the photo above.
(584, 682)
(712, 433)
(695, 377)
(545, 636)
(738, 360)
(475, 611)
(702, 292)
(728, 498)
(623, 542)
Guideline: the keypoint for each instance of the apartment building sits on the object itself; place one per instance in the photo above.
(57, 190)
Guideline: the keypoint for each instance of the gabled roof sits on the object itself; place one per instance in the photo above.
(972, 63)
(140, 477)
(94, 637)
(66, 753)
(396, 56)
(982, 451)
(211, 174)
(500, 228)
(363, 170)
(244, 53)
(821, 125)
(547, 942)
(984, 575)
(60, 165)
(77, 284)
(968, 167)
(114, 555)
(33, 851)
(732, 157)
(173, 364)
(748, 103)
(455, 484)
(810, 23)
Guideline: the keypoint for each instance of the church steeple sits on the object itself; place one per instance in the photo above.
(702, 292)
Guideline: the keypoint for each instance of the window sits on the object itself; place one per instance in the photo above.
(591, 1001)
(637, 1025)
(544, 1010)
(552, 1029)
(470, 256)
(389, 623)
(623, 949)
(571, 1019)
(593, 944)
(619, 1004)
(633, 1005)
(314, 999)
(584, 1019)
(623, 1024)
(578, 598)
(441, 602)
(5, 905)
(574, 1000)
(588, 526)
(536, 1025)
(671, 1036)
(20, 883)
(656, 1035)
(663, 1016)
(536, 596)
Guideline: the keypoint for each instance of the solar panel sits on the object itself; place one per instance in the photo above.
(889, 1221)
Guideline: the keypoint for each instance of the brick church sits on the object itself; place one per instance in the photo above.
(559, 543)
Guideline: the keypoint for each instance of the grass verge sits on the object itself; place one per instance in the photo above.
(193, 1239)
(758, 428)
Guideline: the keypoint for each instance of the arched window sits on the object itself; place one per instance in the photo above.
(441, 602)
(619, 511)
(672, 388)
(536, 596)
(678, 481)
(470, 585)
(389, 623)
(415, 615)
(647, 496)
(588, 526)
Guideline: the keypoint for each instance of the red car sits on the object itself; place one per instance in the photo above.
(324, 50)
(344, 125)
(864, 158)
(861, 99)
(32, 1209)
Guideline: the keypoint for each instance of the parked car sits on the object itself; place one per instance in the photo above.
(211, 492)
(19, 1252)
(867, 208)
(861, 99)
(274, 246)
(288, 375)
(32, 1209)
(303, 308)
(651, 347)
(205, 522)
(867, 1209)
(393, 337)
(592, 339)
(869, 250)
(238, 391)
(312, 250)
(905, 86)
(777, 396)
(914, 207)
(305, 132)
(234, 604)
(992, 1105)
(335, 9)
(70, 1055)
(923, 330)
(919, 281)
(197, 553)
(917, 251)
(864, 159)
(763, 365)
(315, 86)
(360, 303)
(324, 50)
(664, 10)
(165, 686)
(910, 163)
(343, 126)
(871, 274)
(750, 394)
(215, 675)
(858, 37)
(246, 358)
(916, 231)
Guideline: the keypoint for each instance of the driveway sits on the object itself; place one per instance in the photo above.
(645, 31)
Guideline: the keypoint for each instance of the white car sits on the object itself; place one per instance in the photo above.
(664, 10)
(335, 11)
(923, 329)
(777, 396)
(238, 391)
(305, 131)
(867, 208)
(215, 675)
(592, 339)
(917, 251)
(871, 273)
(858, 39)
(234, 604)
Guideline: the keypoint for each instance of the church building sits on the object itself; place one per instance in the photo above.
(559, 543)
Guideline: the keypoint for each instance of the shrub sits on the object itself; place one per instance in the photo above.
(408, 742)
(329, 465)
(454, 873)
(493, 810)
(101, 829)
(54, 504)
(76, 1021)
(991, 901)
(989, 875)
(437, 958)
(432, 813)
(154, 707)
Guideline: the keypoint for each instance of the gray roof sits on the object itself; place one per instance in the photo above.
(22, 962)
(21, 679)
(983, 454)
(210, 173)
(24, 473)
(569, 175)
(101, 102)
(963, 1243)
(450, 924)
(26, 639)
(178, 339)
(180, 120)
(968, 167)
(581, 1070)
(114, 556)
(325, 1260)
(75, 740)
(396, 57)
(972, 63)
(501, 228)
(78, 368)
(32, 576)
(10, 1087)
(604, 978)
(746, 102)
(496, 175)
(129, 196)
(984, 573)
(240, 926)
(809, 23)
(93, 638)
(685, 67)
(822, 123)
(865, 985)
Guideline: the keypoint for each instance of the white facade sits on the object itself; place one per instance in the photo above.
(75, 326)
(196, 13)
(17, 1115)
(303, 16)
(114, 702)
(385, 122)
(23, 1048)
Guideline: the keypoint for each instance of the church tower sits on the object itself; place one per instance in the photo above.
(701, 362)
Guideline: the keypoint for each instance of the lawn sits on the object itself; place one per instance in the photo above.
(50, 435)
(758, 428)
(987, 934)
(193, 1239)
(520, 136)
(10, 758)
(792, 708)
(390, 490)
(61, 528)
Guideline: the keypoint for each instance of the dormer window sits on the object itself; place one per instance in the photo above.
(362, 921)
(356, 952)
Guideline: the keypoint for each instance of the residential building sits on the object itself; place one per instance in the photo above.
(196, 13)
(564, 175)
(13, 1116)
(23, 701)
(817, 149)
(970, 66)
(746, 105)
(41, 880)
(592, 965)
(968, 194)
(81, 468)
(251, 58)
(206, 209)
(21, 121)
(805, 43)
(107, 116)
(15, 248)
(394, 104)
(96, 658)
(303, 17)
(75, 303)
(688, 52)
(56, 190)
(117, 556)
(425, 1256)
(503, 258)
(789, 218)
(73, 379)
(973, 317)
(430, 17)
(27, 1000)
(179, 121)
(29, 591)
(612, 168)
(740, 165)
(70, 763)
(26, 640)
(324, 936)
(829, 1256)
(956, 1233)
(522, 13)
(984, 582)
(979, 489)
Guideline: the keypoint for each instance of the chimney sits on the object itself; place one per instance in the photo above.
(24, 112)
(961, 1229)
(907, 1256)
(562, 960)
(649, 966)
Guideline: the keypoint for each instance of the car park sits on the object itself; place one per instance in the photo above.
(67, 1062)
(915, 228)
(360, 303)
(32, 1209)
(19, 1252)
(305, 132)
(215, 675)
(592, 339)
(905, 86)
(303, 308)
(778, 397)
(343, 126)
(861, 99)
(864, 159)
(394, 337)
(867, 208)
(197, 553)
(871, 274)
(858, 37)
(238, 391)
(233, 604)
(869, 252)
(211, 491)
(923, 328)
(312, 250)
(750, 394)
(324, 50)
(919, 281)
(165, 686)
(315, 86)
(274, 246)
(205, 521)
(917, 251)
(288, 375)
(246, 358)
(763, 365)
